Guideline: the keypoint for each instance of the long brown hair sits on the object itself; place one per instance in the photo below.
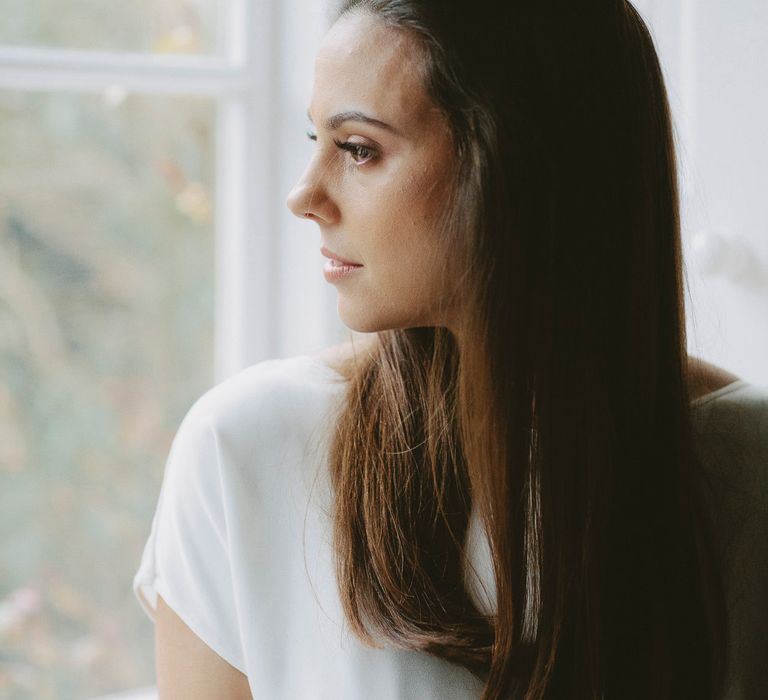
(560, 414)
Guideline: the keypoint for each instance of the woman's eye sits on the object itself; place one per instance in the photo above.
(360, 154)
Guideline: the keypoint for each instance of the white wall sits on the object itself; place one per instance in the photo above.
(715, 58)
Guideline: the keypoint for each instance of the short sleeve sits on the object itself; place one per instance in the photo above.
(186, 557)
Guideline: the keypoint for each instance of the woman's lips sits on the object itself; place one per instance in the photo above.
(333, 256)
(335, 271)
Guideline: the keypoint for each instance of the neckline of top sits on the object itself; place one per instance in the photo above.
(726, 389)
(704, 398)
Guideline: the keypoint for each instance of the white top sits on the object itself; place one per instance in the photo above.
(239, 545)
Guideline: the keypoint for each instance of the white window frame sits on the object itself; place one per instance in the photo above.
(240, 79)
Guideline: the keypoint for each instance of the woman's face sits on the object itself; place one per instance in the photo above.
(377, 180)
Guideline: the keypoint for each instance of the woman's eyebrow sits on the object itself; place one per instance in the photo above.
(334, 122)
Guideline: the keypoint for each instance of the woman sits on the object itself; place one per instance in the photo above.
(521, 499)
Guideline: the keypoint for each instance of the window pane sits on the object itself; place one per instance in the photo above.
(155, 26)
(106, 339)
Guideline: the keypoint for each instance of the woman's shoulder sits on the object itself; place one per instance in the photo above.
(731, 430)
(733, 405)
(272, 398)
(727, 407)
(706, 378)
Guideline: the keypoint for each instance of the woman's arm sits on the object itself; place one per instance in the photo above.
(187, 668)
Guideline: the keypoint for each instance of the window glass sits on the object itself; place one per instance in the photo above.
(106, 339)
(154, 26)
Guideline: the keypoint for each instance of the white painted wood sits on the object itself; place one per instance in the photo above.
(247, 262)
(93, 71)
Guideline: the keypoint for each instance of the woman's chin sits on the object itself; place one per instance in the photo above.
(358, 318)
(361, 325)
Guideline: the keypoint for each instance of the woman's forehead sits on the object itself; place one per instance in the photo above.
(366, 66)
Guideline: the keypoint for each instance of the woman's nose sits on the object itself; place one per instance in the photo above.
(309, 200)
